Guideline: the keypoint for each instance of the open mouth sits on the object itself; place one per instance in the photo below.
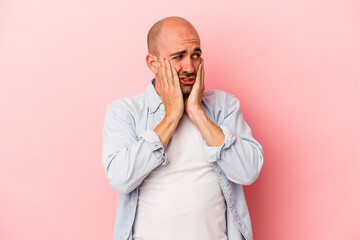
(187, 81)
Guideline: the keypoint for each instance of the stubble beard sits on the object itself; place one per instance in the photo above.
(186, 90)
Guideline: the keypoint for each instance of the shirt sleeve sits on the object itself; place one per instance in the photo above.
(240, 156)
(212, 154)
(127, 158)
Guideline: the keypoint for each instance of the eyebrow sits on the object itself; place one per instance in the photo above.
(184, 51)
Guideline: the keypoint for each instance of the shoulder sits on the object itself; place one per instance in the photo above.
(128, 106)
(217, 95)
(218, 100)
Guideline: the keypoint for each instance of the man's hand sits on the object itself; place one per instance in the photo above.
(193, 102)
(171, 94)
(211, 133)
(170, 91)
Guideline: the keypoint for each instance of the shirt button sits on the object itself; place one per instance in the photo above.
(124, 232)
(133, 204)
(157, 122)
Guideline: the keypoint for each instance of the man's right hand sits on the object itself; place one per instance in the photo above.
(170, 91)
(171, 94)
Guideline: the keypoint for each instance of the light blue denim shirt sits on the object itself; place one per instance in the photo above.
(132, 150)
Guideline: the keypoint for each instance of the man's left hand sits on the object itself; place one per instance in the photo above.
(193, 101)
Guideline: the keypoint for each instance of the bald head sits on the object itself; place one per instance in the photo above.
(162, 26)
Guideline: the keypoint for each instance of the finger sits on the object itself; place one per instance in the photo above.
(163, 77)
(167, 79)
(169, 74)
(159, 73)
(198, 76)
(175, 76)
(202, 83)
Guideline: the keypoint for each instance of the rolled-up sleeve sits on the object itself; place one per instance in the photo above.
(153, 139)
(127, 158)
(240, 156)
(213, 154)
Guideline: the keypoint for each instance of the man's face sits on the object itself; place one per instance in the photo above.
(181, 46)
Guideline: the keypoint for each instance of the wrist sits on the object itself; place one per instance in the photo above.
(197, 116)
(172, 118)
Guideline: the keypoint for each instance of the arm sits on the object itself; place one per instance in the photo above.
(128, 159)
(169, 89)
(209, 131)
(240, 156)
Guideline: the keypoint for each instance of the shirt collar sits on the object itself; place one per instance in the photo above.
(154, 99)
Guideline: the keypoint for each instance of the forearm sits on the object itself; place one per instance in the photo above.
(166, 128)
(127, 166)
(212, 134)
(241, 158)
(168, 87)
(237, 153)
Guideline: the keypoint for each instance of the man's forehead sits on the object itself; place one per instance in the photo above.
(185, 46)
(172, 40)
(178, 39)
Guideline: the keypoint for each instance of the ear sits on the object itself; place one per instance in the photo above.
(152, 62)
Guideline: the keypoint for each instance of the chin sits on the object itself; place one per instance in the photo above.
(186, 89)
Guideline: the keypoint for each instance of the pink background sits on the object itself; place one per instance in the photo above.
(295, 66)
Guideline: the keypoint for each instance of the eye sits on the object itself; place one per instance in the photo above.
(197, 55)
(178, 57)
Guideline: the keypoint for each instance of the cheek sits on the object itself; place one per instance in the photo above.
(176, 66)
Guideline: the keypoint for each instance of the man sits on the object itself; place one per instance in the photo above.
(178, 155)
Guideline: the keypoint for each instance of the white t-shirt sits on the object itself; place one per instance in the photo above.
(183, 199)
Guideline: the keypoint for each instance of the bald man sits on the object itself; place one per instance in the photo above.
(178, 156)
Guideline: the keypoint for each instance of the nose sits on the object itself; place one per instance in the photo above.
(188, 65)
